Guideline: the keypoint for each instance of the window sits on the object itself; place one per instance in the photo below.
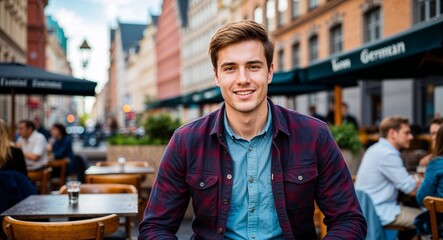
(336, 39)
(281, 56)
(372, 25)
(427, 9)
(282, 7)
(295, 8)
(312, 4)
(295, 55)
(270, 15)
(313, 48)
(258, 15)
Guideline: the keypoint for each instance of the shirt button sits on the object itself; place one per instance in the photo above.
(202, 184)
(250, 148)
(252, 236)
(300, 177)
(251, 180)
(225, 201)
(219, 230)
(252, 210)
(229, 176)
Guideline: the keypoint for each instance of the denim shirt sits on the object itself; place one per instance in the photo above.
(252, 212)
(306, 165)
(432, 184)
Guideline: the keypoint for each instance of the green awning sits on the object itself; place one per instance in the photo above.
(417, 52)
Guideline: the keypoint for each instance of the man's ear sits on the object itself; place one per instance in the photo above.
(270, 73)
(216, 77)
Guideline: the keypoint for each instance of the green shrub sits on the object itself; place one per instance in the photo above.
(347, 137)
(158, 130)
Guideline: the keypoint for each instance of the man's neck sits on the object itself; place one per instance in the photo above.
(247, 125)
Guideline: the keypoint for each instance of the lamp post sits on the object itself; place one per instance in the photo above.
(85, 54)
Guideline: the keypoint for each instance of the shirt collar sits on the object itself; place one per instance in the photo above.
(386, 143)
(231, 133)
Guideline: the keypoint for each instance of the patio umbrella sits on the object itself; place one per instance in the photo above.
(16, 78)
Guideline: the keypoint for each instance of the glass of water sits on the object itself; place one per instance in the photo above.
(73, 191)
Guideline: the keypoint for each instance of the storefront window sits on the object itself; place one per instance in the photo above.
(295, 55)
(427, 9)
(313, 48)
(282, 7)
(372, 25)
(295, 8)
(336, 39)
(270, 15)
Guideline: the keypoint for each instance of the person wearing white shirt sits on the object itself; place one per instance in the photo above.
(33, 145)
(382, 174)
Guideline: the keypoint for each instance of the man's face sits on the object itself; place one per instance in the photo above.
(243, 77)
(433, 131)
(23, 131)
(402, 138)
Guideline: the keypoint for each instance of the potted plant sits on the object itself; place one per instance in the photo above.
(348, 140)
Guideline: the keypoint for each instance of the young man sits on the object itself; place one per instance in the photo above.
(33, 145)
(252, 169)
(382, 174)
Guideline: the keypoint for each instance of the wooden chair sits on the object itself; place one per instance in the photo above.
(98, 188)
(131, 179)
(95, 228)
(318, 221)
(434, 205)
(61, 165)
(41, 179)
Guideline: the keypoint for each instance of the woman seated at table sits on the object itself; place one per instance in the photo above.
(432, 184)
(11, 157)
(61, 146)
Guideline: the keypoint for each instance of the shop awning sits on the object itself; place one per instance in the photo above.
(417, 52)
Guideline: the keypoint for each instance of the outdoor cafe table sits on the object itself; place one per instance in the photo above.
(105, 170)
(88, 206)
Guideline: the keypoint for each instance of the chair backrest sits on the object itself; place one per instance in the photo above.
(42, 177)
(128, 163)
(434, 205)
(62, 165)
(132, 179)
(97, 188)
(95, 228)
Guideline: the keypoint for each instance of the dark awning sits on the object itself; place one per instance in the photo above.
(24, 79)
(417, 52)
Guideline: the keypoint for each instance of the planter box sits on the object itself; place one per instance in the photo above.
(352, 161)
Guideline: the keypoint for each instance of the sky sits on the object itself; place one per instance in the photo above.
(92, 20)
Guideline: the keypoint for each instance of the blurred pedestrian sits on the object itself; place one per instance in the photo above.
(11, 157)
(313, 113)
(252, 169)
(347, 117)
(33, 145)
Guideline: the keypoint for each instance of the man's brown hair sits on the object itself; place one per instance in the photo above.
(393, 122)
(436, 120)
(438, 150)
(232, 33)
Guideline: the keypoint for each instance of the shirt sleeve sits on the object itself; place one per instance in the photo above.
(344, 219)
(169, 196)
(40, 146)
(392, 168)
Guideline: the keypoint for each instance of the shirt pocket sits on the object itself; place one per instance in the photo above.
(204, 193)
(299, 185)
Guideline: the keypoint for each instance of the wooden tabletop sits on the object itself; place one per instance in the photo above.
(89, 206)
(103, 170)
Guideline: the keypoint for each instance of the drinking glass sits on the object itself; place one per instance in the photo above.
(73, 191)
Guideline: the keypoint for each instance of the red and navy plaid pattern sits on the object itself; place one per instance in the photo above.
(307, 165)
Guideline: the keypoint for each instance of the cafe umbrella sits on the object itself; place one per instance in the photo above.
(16, 78)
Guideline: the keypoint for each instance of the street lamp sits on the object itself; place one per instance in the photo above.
(85, 53)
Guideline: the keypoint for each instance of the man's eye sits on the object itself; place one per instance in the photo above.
(228, 69)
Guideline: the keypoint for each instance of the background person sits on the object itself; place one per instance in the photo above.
(382, 174)
(61, 146)
(434, 125)
(252, 169)
(347, 117)
(40, 128)
(33, 145)
(432, 184)
(11, 157)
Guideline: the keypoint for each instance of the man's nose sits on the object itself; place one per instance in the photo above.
(243, 76)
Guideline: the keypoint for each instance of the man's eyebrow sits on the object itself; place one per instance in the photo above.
(228, 64)
(255, 62)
